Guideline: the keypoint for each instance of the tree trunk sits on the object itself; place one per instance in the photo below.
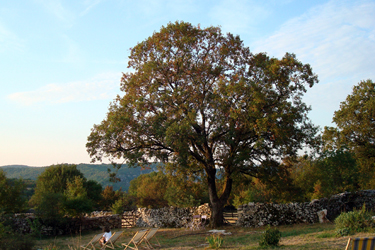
(217, 215)
(217, 204)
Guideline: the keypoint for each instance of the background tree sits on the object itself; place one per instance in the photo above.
(149, 190)
(54, 180)
(94, 190)
(62, 190)
(109, 197)
(335, 172)
(185, 191)
(12, 198)
(200, 100)
(355, 130)
(76, 201)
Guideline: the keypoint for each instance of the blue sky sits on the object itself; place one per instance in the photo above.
(61, 61)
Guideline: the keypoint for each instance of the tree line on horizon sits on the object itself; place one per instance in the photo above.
(95, 172)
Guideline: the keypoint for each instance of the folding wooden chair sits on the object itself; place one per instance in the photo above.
(367, 243)
(111, 243)
(93, 242)
(150, 235)
(136, 240)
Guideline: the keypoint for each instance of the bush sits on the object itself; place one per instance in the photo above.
(353, 222)
(118, 207)
(10, 240)
(270, 237)
(215, 242)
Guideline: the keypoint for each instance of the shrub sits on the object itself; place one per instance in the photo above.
(215, 242)
(352, 222)
(10, 240)
(270, 237)
(118, 207)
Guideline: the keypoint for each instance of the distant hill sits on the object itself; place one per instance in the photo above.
(96, 172)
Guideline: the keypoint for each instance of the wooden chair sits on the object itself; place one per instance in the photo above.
(150, 235)
(367, 243)
(93, 242)
(136, 240)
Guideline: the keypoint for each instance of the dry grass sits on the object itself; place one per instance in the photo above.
(306, 236)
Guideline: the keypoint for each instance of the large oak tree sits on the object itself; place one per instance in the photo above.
(202, 101)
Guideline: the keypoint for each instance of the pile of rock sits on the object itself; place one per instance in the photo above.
(172, 217)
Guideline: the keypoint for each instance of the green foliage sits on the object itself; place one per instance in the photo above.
(159, 190)
(270, 237)
(109, 197)
(54, 180)
(215, 241)
(149, 190)
(118, 206)
(61, 191)
(12, 199)
(201, 100)
(353, 222)
(94, 190)
(77, 206)
(17, 242)
(333, 172)
(76, 201)
(185, 190)
(51, 207)
(356, 129)
(36, 227)
(11, 240)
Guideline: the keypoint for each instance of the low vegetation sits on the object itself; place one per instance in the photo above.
(304, 236)
(354, 222)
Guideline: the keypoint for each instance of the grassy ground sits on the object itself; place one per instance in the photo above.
(306, 236)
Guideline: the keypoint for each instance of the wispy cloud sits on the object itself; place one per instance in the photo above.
(9, 40)
(89, 4)
(337, 39)
(57, 10)
(103, 86)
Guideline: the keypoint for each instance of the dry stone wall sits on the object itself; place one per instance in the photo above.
(169, 216)
(249, 215)
(22, 223)
(260, 214)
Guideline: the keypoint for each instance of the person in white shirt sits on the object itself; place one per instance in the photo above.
(106, 236)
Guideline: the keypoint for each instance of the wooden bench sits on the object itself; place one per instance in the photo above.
(367, 243)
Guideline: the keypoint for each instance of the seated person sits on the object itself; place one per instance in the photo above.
(106, 236)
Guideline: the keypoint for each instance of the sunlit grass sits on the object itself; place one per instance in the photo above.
(304, 236)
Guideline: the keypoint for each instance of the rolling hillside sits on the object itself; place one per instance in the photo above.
(96, 172)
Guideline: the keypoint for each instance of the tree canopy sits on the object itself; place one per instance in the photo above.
(355, 130)
(202, 101)
(62, 190)
(12, 199)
